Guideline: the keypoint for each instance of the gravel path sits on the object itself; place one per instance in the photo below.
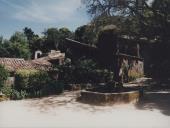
(64, 111)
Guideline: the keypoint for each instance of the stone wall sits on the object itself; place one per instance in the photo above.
(109, 98)
(130, 68)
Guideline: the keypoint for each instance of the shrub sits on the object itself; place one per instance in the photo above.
(23, 94)
(30, 79)
(15, 95)
(3, 76)
(134, 75)
(59, 87)
(7, 90)
(38, 80)
(31, 83)
(85, 71)
(89, 71)
(53, 87)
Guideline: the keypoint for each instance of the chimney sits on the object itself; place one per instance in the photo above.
(37, 54)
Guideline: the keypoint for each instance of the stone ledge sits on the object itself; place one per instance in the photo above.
(3, 97)
(111, 98)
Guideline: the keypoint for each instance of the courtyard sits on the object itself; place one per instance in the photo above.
(64, 111)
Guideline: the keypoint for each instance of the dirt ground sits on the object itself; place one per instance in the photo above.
(64, 111)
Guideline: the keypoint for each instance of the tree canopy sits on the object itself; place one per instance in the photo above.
(17, 46)
(85, 34)
(139, 19)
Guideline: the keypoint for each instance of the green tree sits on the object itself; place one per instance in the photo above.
(1, 39)
(5, 48)
(34, 41)
(85, 34)
(29, 34)
(3, 76)
(64, 33)
(123, 13)
(55, 38)
(18, 46)
(52, 36)
(142, 20)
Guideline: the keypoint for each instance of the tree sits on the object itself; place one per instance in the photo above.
(64, 33)
(34, 41)
(142, 20)
(55, 38)
(4, 51)
(85, 34)
(105, 7)
(146, 20)
(122, 13)
(29, 34)
(52, 36)
(3, 76)
(18, 46)
(18, 37)
(1, 39)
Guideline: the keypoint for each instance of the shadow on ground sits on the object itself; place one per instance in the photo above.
(66, 100)
(156, 100)
(53, 101)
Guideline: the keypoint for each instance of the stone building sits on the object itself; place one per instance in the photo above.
(122, 56)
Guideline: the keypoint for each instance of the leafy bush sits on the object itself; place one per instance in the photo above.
(89, 71)
(38, 80)
(59, 87)
(3, 76)
(85, 71)
(15, 95)
(53, 87)
(32, 83)
(23, 94)
(7, 90)
(30, 79)
(134, 75)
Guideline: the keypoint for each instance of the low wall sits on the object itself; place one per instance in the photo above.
(103, 98)
(75, 87)
(2, 97)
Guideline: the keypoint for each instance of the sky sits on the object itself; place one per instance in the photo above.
(40, 15)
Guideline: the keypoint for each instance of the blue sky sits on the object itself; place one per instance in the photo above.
(40, 15)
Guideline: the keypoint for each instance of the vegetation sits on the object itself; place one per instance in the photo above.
(55, 37)
(35, 83)
(24, 44)
(16, 47)
(138, 20)
(3, 76)
(134, 75)
(30, 79)
(133, 19)
(85, 71)
(86, 35)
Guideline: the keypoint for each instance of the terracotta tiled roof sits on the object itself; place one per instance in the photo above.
(43, 63)
(13, 64)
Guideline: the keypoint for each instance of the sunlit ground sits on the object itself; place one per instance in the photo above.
(64, 111)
